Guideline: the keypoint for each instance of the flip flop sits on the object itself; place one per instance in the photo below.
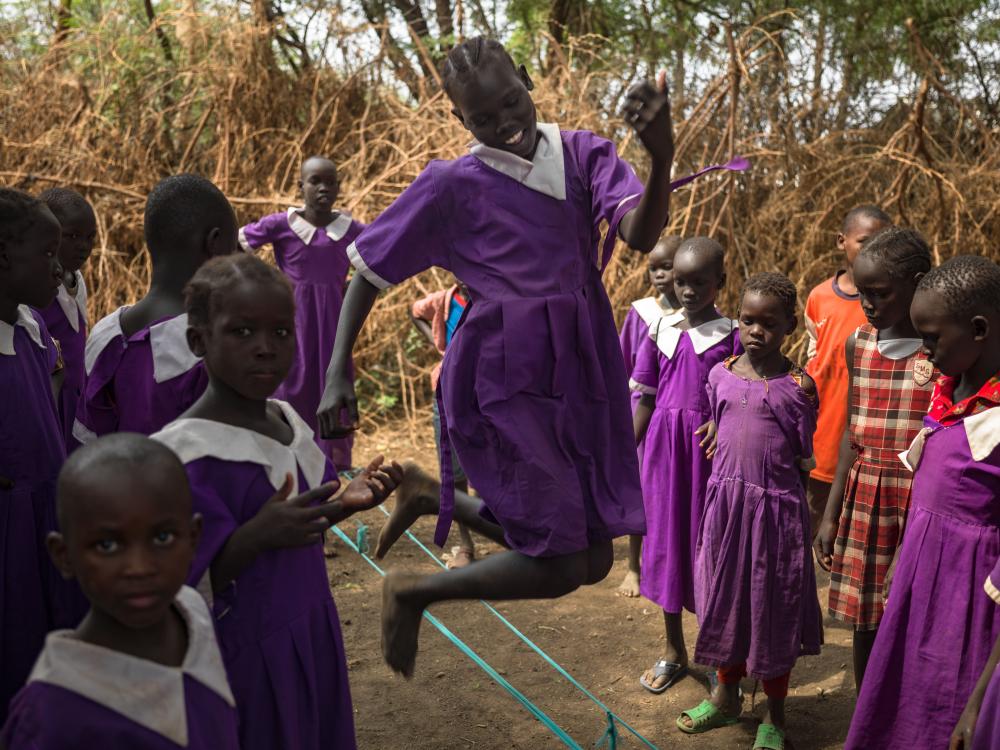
(769, 737)
(663, 668)
(704, 718)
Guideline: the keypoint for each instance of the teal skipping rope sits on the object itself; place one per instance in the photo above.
(610, 736)
(461, 645)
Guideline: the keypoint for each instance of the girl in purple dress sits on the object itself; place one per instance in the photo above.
(140, 371)
(939, 625)
(754, 585)
(979, 725)
(66, 318)
(143, 669)
(671, 371)
(533, 387)
(263, 487)
(642, 315)
(31, 444)
(310, 247)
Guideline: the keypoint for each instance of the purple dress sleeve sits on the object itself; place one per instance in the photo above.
(218, 520)
(633, 331)
(407, 238)
(992, 585)
(259, 233)
(646, 373)
(614, 188)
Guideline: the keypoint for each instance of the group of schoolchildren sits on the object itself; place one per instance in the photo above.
(167, 476)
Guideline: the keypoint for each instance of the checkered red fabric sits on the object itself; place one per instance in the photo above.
(887, 407)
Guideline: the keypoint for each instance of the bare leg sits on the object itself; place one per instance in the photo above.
(864, 640)
(629, 587)
(675, 651)
(508, 575)
(419, 495)
(465, 553)
(817, 493)
(775, 713)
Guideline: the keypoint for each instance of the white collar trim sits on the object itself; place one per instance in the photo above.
(898, 348)
(651, 310)
(703, 337)
(150, 694)
(27, 321)
(75, 307)
(171, 354)
(983, 433)
(545, 173)
(193, 438)
(101, 335)
(305, 231)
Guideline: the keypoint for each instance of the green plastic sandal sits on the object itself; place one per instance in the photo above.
(769, 737)
(704, 718)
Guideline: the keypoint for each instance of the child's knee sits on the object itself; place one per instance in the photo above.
(600, 559)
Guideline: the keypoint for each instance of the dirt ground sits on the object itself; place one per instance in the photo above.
(604, 641)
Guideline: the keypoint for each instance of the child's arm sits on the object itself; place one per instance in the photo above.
(643, 413)
(647, 110)
(369, 488)
(961, 738)
(827, 533)
(339, 391)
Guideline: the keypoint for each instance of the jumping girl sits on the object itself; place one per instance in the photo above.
(533, 386)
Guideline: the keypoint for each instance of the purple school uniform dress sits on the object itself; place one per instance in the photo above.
(533, 384)
(66, 319)
(81, 696)
(755, 588)
(939, 624)
(137, 383)
(31, 453)
(315, 261)
(277, 623)
(673, 365)
(642, 314)
(987, 734)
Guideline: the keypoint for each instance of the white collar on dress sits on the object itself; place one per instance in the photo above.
(192, 438)
(27, 321)
(75, 307)
(150, 694)
(545, 173)
(336, 229)
(898, 348)
(651, 310)
(982, 430)
(703, 337)
(167, 341)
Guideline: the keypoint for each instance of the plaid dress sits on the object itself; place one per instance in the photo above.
(889, 399)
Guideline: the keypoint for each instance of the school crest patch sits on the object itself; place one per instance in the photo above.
(922, 371)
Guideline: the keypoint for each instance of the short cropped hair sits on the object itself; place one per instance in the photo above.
(705, 247)
(866, 211)
(776, 285)
(969, 285)
(466, 56)
(180, 204)
(18, 213)
(221, 273)
(62, 200)
(903, 253)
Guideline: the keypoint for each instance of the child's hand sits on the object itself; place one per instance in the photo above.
(371, 487)
(961, 738)
(710, 430)
(889, 575)
(647, 110)
(338, 396)
(284, 522)
(823, 546)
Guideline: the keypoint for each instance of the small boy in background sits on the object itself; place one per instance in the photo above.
(437, 316)
(833, 313)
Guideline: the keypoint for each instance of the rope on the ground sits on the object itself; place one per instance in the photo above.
(612, 716)
(465, 649)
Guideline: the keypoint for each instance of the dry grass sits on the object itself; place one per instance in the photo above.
(112, 129)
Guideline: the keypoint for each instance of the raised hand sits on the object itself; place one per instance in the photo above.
(647, 110)
(371, 487)
(298, 521)
(337, 396)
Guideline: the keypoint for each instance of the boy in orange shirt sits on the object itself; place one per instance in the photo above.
(833, 313)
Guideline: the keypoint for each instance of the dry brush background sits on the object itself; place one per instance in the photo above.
(99, 113)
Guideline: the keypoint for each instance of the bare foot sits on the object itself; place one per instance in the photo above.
(417, 496)
(460, 557)
(400, 623)
(629, 587)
